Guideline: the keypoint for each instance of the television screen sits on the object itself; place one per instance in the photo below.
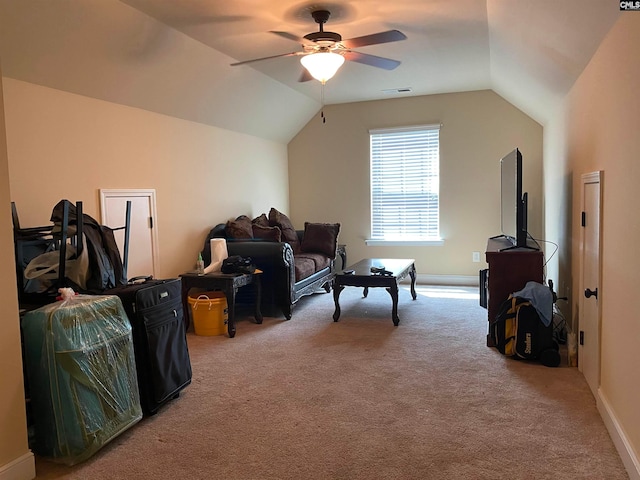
(513, 202)
(510, 193)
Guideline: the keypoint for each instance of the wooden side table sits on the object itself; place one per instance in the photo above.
(228, 283)
(509, 271)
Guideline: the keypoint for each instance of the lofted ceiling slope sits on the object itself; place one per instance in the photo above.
(173, 57)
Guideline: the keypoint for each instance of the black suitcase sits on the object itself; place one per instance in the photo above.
(154, 308)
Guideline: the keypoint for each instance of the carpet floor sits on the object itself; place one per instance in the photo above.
(310, 398)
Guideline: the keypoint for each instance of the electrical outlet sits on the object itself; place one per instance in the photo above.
(476, 257)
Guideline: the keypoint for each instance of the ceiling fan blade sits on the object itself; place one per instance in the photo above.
(372, 60)
(374, 39)
(267, 58)
(295, 38)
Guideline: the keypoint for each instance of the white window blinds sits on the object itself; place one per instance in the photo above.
(405, 183)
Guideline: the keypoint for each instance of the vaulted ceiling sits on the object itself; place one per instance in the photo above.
(174, 56)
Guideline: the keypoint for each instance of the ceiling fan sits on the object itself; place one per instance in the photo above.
(324, 52)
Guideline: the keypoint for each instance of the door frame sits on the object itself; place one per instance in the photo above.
(591, 178)
(150, 194)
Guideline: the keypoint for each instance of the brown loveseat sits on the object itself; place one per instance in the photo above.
(295, 262)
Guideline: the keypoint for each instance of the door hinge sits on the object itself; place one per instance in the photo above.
(581, 337)
(150, 222)
(583, 221)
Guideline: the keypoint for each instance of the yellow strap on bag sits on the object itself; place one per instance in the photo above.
(505, 327)
(511, 328)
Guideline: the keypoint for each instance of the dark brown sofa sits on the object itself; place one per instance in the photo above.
(294, 262)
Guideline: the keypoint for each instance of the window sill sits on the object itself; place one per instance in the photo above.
(404, 243)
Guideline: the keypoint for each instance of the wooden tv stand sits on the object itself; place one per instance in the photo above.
(509, 271)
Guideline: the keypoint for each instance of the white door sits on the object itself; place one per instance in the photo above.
(589, 304)
(143, 241)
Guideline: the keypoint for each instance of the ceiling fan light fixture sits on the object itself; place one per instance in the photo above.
(322, 65)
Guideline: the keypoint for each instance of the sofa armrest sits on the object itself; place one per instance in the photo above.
(276, 261)
(263, 253)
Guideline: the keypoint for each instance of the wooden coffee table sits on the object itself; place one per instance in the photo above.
(363, 277)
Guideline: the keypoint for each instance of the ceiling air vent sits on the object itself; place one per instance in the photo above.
(393, 91)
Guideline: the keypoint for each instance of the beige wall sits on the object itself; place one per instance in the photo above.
(597, 130)
(329, 172)
(16, 461)
(62, 145)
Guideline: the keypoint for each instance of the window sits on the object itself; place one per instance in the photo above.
(405, 185)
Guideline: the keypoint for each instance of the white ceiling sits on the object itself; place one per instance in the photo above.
(447, 46)
(174, 55)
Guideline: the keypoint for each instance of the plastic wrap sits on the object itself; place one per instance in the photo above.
(82, 375)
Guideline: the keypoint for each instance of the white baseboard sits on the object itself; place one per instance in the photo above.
(457, 280)
(22, 468)
(629, 457)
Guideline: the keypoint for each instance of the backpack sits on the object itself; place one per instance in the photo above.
(517, 331)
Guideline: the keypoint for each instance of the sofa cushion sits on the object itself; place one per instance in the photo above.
(309, 263)
(320, 238)
(262, 221)
(239, 228)
(289, 235)
(270, 234)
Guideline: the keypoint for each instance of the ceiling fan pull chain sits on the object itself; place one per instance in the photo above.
(324, 120)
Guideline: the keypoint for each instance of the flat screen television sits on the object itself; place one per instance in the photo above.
(513, 202)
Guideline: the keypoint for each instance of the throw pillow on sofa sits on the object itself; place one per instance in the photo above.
(240, 228)
(320, 238)
(261, 221)
(289, 235)
(269, 234)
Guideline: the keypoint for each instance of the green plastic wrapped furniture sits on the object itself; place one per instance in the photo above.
(82, 375)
